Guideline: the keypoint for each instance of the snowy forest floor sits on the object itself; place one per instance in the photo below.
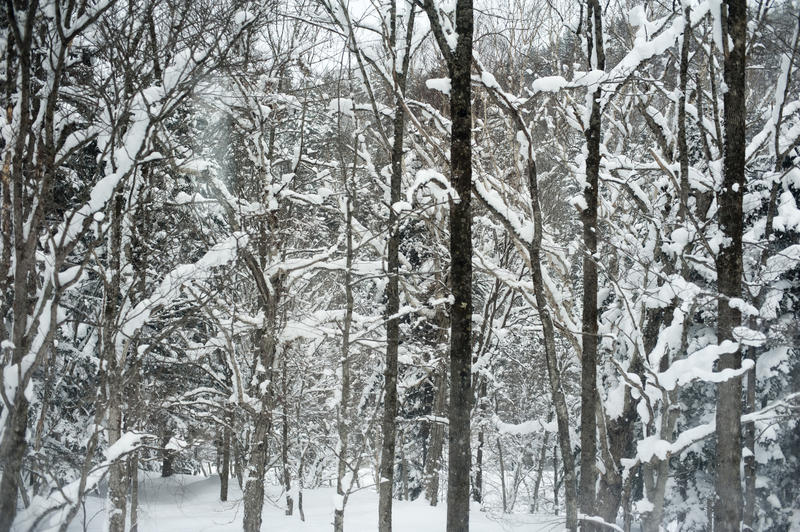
(191, 504)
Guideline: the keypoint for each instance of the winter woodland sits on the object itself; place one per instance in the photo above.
(330, 265)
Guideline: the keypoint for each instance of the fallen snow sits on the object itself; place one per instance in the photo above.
(183, 503)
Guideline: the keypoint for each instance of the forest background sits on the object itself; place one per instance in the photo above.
(539, 255)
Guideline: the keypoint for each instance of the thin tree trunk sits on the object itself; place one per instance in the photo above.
(502, 475)
(287, 477)
(225, 470)
(133, 474)
(555, 479)
(300, 486)
(117, 473)
(477, 485)
(728, 504)
(434, 462)
(343, 410)
(389, 426)
(553, 371)
(539, 473)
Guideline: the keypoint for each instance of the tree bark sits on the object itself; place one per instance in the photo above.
(13, 451)
(548, 332)
(117, 474)
(287, 477)
(591, 193)
(459, 63)
(728, 503)
(389, 426)
(133, 474)
(502, 475)
(539, 473)
(477, 485)
(254, 485)
(434, 461)
(343, 408)
(459, 456)
(225, 470)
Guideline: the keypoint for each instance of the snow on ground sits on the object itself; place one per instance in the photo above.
(184, 503)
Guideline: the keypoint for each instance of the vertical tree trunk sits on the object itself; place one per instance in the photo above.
(133, 474)
(253, 496)
(225, 470)
(300, 486)
(591, 194)
(117, 473)
(502, 475)
(434, 462)
(728, 503)
(167, 455)
(555, 479)
(254, 484)
(13, 451)
(287, 477)
(477, 485)
(389, 426)
(539, 473)
(343, 410)
(548, 333)
(459, 456)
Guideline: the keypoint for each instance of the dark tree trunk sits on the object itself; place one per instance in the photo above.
(477, 484)
(459, 65)
(253, 496)
(434, 461)
(389, 432)
(728, 503)
(225, 470)
(13, 451)
(287, 477)
(594, 30)
(459, 456)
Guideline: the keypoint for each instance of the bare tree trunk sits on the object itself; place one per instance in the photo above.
(556, 482)
(225, 470)
(750, 444)
(502, 475)
(117, 473)
(540, 472)
(300, 486)
(591, 194)
(254, 485)
(548, 332)
(477, 485)
(253, 496)
(389, 426)
(459, 455)
(728, 504)
(133, 474)
(13, 451)
(343, 409)
(287, 477)
(434, 462)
